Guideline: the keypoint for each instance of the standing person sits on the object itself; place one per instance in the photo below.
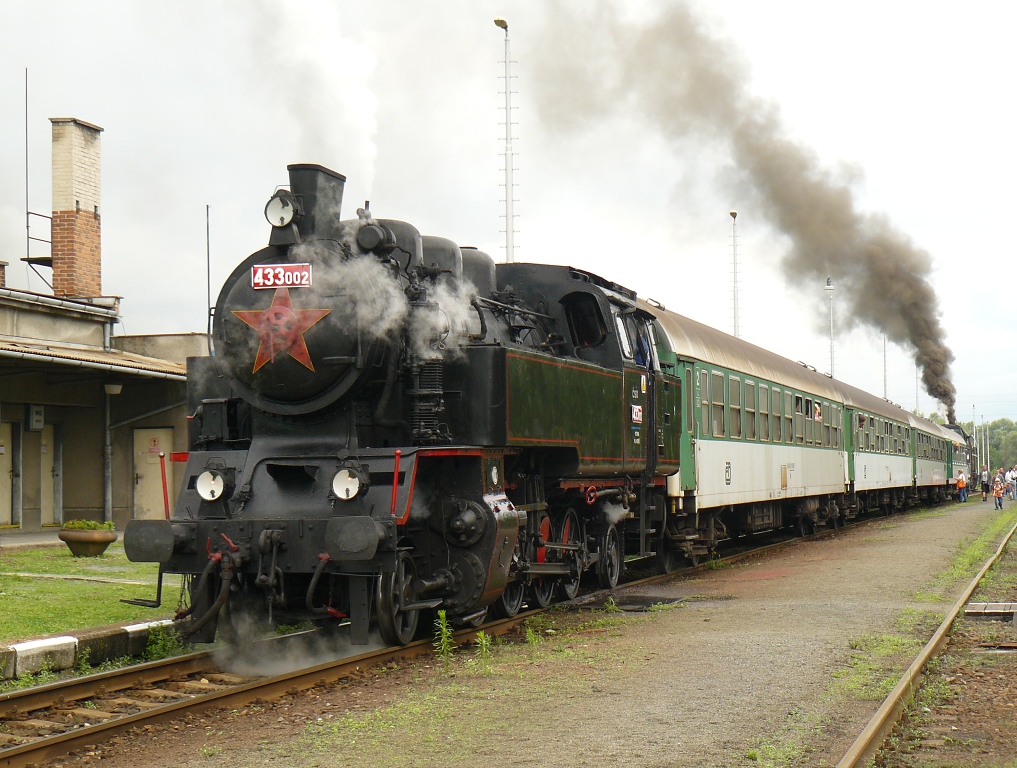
(997, 493)
(1010, 477)
(962, 487)
(984, 477)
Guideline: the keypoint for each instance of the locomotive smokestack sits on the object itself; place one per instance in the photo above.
(321, 192)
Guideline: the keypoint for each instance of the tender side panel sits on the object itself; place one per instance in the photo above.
(568, 405)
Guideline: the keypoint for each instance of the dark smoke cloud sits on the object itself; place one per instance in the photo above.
(676, 76)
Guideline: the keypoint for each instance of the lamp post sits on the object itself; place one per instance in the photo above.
(509, 161)
(829, 292)
(109, 389)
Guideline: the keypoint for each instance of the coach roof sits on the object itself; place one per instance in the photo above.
(690, 339)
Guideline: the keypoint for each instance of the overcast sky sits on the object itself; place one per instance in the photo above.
(205, 103)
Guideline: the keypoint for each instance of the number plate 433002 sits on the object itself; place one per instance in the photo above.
(281, 276)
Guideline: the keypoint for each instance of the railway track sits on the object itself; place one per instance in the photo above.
(893, 707)
(45, 722)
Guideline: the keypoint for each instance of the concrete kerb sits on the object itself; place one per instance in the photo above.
(65, 651)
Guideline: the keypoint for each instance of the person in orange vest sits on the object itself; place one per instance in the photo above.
(997, 494)
(962, 487)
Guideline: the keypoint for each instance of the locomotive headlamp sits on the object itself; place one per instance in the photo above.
(281, 208)
(346, 484)
(210, 485)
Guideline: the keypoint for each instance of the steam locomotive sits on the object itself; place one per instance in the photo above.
(390, 423)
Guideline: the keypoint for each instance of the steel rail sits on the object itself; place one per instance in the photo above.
(40, 697)
(267, 688)
(878, 728)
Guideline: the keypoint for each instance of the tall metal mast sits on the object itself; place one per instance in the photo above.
(734, 272)
(510, 188)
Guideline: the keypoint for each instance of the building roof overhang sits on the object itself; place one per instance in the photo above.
(93, 358)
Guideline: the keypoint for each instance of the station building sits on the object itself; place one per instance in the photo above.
(88, 420)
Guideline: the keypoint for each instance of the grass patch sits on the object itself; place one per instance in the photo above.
(971, 556)
(32, 607)
(919, 622)
(789, 746)
(113, 564)
(44, 676)
(875, 665)
(163, 643)
(1000, 583)
(452, 718)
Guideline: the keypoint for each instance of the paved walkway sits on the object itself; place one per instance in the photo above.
(12, 538)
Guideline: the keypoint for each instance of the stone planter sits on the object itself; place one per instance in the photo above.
(87, 543)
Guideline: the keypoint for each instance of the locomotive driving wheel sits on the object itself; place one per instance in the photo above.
(570, 533)
(394, 590)
(542, 587)
(511, 600)
(609, 565)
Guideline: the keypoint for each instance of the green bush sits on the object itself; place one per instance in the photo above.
(88, 525)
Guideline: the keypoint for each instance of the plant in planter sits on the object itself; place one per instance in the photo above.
(87, 538)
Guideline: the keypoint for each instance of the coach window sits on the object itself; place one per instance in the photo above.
(704, 399)
(690, 399)
(717, 397)
(827, 415)
(749, 414)
(586, 323)
(809, 415)
(799, 419)
(835, 426)
(775, 416)
(788, 418)
(735, 396)
(764, 412)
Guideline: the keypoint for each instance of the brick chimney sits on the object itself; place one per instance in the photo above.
(77, 253)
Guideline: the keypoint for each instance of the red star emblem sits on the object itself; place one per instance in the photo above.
(282, 329)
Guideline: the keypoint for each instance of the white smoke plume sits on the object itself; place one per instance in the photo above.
(361, 291)
(440, 332)
(613, 511)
